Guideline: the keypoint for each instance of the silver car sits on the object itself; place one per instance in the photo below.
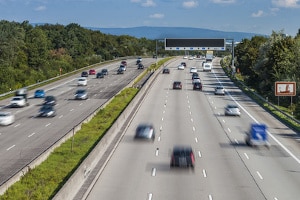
(145, 132)
(219, 90)
(233, 110)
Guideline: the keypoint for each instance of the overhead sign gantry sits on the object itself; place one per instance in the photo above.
(195, 44)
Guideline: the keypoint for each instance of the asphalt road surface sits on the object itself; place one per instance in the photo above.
(29, 136)
(225, 167)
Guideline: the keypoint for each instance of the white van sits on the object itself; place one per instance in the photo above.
(207, 67)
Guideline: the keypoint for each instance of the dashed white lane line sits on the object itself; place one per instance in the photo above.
(31, 134)
(246, 155)
(196, 140)
(199, 154)
(17, 125)
(156, 152)
(158, 139)
(149, 196)
(153, 173)
(223, 120)
(259, 175)
(236, 141)
(47, 124)
(71, 110)
(210, 197)
(229, 130)
(204, 173)
(60, 116)
(194, 129)
(9, 148)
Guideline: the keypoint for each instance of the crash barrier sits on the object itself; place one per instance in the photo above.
(90, 169)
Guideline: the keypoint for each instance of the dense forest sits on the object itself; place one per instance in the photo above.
(29, 54)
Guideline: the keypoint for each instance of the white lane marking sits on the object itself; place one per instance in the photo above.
(9, 148)
(156, 152)
(215, 108)
(194, 129)
(190, 113)
(60, 116)
(47, 125)
(158, 139)
(162, 119)
(246, 155)
(31, 134)
(149, 196)
(204, 173)
(164, 112)
(236, 141)
(199, 154)
(192, 120)
(71, 110)
(17, 125)
(229, 130)
(196, 140)
(259, 175)
(210, 197)
(223, 120)
(153, 172)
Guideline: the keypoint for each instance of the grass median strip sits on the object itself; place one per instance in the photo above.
(44, 181)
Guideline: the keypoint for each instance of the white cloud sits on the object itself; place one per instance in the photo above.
(40, 8)
(149, 3)
(157, 16)
(223, 1)
(190, 4)
(286, 3)
(258, 13)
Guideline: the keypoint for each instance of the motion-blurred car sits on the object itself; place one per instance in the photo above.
(123, 67)
(104, 71)
(166, 71)
(185, 57)
(195, 75)
(50, 100)
(6, 118)
(81, 94)
(145, 131)
(233, 110)
(197, 86)
(120, 71)
(18, 101)
(177, 85)
(180, 67)
(39, 94)
(193, 70)
(92, 72)
(47, 111)
(100, 75)
(139, 60)
(84, 74)
(140, 66)
(183, 63)
(82, 81)
(124, 62)
(182, 156)
(219, 90)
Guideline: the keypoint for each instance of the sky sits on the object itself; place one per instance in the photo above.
(251, 16)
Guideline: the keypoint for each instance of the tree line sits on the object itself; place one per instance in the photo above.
(262, 61)
(29, 54)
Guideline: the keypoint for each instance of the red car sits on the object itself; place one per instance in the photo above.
(124, 63)
(92, 72)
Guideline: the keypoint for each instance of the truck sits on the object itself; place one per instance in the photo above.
(257, 135)
(209, 56)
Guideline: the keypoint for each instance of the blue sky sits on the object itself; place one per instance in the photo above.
(255, 16)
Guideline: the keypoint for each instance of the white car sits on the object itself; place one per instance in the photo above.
(185, 57)
(191, 58)
(18, 101)
(82, 81)
(233, 110)
(196, 80)
(193, 70)
(6, 118)
(219, 90)
(180, 67)
(207, 67)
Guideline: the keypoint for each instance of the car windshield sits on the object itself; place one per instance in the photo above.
(80, 92)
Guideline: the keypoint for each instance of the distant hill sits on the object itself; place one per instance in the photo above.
(175, 32)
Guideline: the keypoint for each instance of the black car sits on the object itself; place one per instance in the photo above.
(195, 75)
(166, 71)
(177, 85)
(50, 100)
(120, 71)
(183, 63)
(104, 72)
(182, 156)
(140, 66)
(197, 86)
(145, 132)
(84, 74)
(81, 94)
(47, 111)
(99, 75)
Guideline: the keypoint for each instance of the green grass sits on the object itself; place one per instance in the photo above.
(45, 180)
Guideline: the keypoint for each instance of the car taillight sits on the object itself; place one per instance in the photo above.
(192, 157)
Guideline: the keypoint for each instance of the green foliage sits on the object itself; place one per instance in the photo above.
(46, 179)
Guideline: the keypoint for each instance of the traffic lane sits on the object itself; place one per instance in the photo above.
(15, 142)
(267, 158)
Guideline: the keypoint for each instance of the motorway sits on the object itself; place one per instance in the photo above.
(29, 136)
(225, 167)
